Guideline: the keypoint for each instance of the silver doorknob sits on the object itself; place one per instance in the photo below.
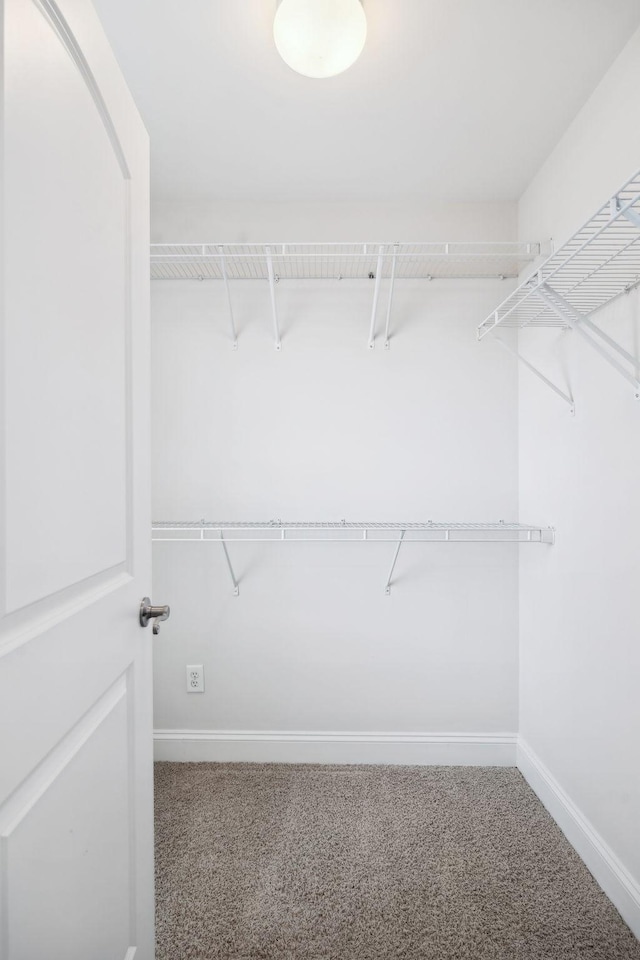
(149, 612)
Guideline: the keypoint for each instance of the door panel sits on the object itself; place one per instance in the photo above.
(66, 235)
(50, 823)
(76, 877)
(51, 682)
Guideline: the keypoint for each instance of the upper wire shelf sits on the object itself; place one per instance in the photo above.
(595, 266)
(380, 262)
(340, 261)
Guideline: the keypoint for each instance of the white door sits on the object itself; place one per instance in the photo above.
(76, 878)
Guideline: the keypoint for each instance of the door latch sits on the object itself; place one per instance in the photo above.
(149, 612)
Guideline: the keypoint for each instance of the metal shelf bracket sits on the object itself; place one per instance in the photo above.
(394, 258)
(568, 399)
(387, 588)
(577, 322)
(225, 277)
(631, 215)
(236, 585)
(272, 289)
(376, 294)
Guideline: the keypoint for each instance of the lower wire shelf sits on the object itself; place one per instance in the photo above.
(343, 531)
(427, 531)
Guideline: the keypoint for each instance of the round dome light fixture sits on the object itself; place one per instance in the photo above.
(320, 38)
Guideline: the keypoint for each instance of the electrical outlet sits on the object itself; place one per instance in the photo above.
(195, 678)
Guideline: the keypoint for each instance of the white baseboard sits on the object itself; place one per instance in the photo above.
(610, 873)
(276, 746)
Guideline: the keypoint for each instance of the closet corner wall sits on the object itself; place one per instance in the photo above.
(579, 650)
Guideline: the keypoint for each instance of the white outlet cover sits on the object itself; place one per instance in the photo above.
(195, 678)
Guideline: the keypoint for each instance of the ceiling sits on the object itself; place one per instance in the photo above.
(451, 99)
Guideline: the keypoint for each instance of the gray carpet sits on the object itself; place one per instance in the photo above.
(360, 862)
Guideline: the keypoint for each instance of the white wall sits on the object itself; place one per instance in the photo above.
(328, 429)
(598, 152)
(580, 650)
(339, 222)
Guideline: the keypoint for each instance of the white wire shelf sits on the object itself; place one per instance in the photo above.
(279, 530)
(595, 266)
(340, 261)
(343, 531)
(379, 262)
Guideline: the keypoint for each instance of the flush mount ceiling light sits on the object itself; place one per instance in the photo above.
(320, 38)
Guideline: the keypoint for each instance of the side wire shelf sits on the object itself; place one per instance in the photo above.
(224, 533)
(376, 262)
(598, 264)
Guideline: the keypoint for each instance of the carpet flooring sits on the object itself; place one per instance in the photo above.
(288, 862)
